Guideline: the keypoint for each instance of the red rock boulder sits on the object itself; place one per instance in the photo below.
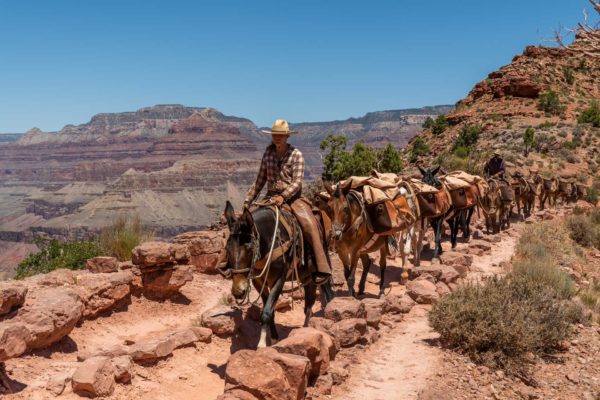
(152, 254)
(12, 295)
(204, 247)
(313, 344)
(422, 291)
(102, 264)
(95, 377)
(344, 307)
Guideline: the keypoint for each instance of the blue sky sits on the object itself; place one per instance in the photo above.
(62, 61)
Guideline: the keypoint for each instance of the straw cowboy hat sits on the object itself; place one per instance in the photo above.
(280, 127)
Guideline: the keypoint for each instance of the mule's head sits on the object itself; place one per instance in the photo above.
(240, 250)
(428, 177)
(341, 212)
(321, 201)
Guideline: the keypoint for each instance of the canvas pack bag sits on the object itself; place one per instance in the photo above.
(389, 216)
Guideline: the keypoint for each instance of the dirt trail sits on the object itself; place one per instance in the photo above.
(400, 364)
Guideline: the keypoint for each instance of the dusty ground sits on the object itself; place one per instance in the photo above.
(407, 361)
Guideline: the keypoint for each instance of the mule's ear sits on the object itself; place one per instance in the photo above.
(229, 214)
(328, 187)
(247, 218)
(436, 170)
(423, 172)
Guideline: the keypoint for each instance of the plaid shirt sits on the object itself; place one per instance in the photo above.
(283, 176)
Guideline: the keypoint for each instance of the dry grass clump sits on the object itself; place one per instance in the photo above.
(585, 229)
(500, 322)
(119, 238)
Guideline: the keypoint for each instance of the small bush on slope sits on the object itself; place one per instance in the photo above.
(119, 238)
(500, 321)
(54, 255)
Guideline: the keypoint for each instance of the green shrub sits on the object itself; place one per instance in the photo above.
(419, 148)
(462, 152)
(591, 116)
(467, 138)
(550, 103)
(54, 255)
(584, 231)
(499, 322)
(569, 75)
(428, 123)
(542, 269)
(340, 164)
(120, 237)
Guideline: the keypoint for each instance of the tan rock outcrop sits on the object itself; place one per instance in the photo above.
(204, 247)
(102, 264)
(221, 320)
(422, 291)
(95, 377)
(12, 295)
(344, 307)
(317, 346)
(152, 254)
(101, 291)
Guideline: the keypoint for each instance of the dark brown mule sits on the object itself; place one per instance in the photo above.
(549, 187)
(464, 201)
(434, 209)
(525, 194)
(565, 191)
(502, 196)
(353, 238)
(491, 206)
(266, 248)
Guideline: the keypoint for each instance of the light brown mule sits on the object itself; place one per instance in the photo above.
(353, 238)
(525, 194)
(549, 188)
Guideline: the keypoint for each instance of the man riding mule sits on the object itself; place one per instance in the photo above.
(282, 170)
(278, 239)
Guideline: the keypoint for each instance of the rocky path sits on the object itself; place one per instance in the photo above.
(400, 364)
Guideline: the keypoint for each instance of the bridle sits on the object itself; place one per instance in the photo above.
(350, 224)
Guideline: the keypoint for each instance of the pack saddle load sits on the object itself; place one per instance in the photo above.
(387, 210)
(432, 201)
(465, 189)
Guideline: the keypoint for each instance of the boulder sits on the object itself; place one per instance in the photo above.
(49, 314)
(94, 377)
(480, 245)
(14, 339)
(374, 310)
(101, 291)
(57, 383)
(317, 346)
(237, 394)
(204, 247)
(344, 307)
(259, 374)
(166, 282)
(442, 289)
(221, 320)
(422, 291)
(322, 324)
(151, 254)
(398, 304)
(444, 273)
(152, 349)
(453, 259)
(294, 367)
(426, 277)
(349, 331)
(12, 295)
(102, 264)
(123, 368)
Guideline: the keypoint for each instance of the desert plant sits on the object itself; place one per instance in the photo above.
(388, 160)
(550, 103)
(499, 322)
(591, 115)
(418, 148)
(120, 237)
(54, 254)
(569, 75)
(584, 230)
(528, 139)
(467, 137)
